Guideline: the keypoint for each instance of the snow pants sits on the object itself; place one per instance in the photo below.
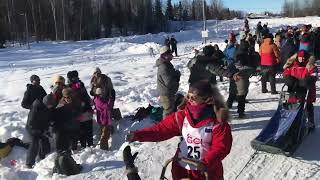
(86, 133)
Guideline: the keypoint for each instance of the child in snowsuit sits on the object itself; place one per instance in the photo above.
(38, 122)
(103, 107)
(86, 116)
(206, 134)
(34, 91)
(301, 74)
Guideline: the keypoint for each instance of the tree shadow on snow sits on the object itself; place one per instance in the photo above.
(309, 148)
(250, 125)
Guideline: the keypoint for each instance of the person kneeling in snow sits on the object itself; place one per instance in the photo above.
(300, 75)
(206, 134)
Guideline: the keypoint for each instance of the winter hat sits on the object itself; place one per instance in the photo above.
(201, 88)
(301, 53)
(67, 92)
(72, 74)
(208, 50)
(58, 79)
(98, 91)
(164, 49)
(97, 70)
(34, 78)
(49, 100)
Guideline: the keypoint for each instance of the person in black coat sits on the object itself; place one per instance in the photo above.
(39, 118)
(173, 43)
(34, 91)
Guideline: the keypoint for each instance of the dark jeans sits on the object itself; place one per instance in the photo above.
(86, 134)
(39, 146)
(63, 141)
(234, 97)
(269, 73)
(174, 49)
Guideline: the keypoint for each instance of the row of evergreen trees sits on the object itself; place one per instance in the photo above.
(297, 8)
(90, 19)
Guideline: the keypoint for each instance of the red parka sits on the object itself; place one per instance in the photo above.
(293, 69)
(171, 126)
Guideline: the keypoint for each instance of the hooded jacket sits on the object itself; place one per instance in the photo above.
(167, 77)
(269, 53)
(32, 93)
(39, 118)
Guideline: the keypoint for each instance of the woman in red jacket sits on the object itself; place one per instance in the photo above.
(300, 75)
(206, 134)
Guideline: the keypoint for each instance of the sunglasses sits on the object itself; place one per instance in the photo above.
(66, 97)
(195, 97)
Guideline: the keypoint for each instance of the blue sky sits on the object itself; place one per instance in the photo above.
(252, 5)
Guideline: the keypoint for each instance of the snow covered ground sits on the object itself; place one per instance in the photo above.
(126, 60)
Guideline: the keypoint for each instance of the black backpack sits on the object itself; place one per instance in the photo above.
(65, 164)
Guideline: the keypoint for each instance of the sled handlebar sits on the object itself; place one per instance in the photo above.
(187, 161)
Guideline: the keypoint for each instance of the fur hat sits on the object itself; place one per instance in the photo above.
(98, 91)
(58, 79)
(49, 100)
(67, 92)
(201, 88)
(34, 78)
(164, 49)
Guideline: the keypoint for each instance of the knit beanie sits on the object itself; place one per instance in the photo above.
(301, 53)
(58, 79)
(97, 70)
(49, 100)
(34, 78)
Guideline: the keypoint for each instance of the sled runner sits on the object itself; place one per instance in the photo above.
(286, 129)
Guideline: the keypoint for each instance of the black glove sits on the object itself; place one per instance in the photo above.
(128, 158)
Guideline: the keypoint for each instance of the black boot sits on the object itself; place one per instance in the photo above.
(241, 106)
(310, 116)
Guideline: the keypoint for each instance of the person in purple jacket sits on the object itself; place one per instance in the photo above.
(103, 108)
